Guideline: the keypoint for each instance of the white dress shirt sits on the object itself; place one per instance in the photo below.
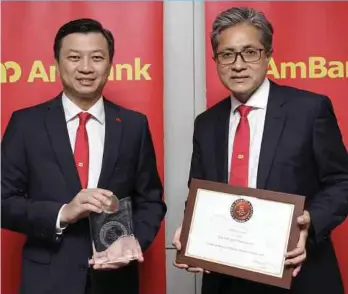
(256, 120)
(95, 127)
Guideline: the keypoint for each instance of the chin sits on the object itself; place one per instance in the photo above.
(240, 90)
(86, 90)
(242, 96)
(87, 94)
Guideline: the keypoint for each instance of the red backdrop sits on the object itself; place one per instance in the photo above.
(28, 77)
(312, 35)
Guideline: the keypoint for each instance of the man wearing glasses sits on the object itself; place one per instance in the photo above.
(276, 138)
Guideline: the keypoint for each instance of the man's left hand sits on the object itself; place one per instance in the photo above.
(297, 256)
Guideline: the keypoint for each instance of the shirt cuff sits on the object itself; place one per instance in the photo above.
(60, 227)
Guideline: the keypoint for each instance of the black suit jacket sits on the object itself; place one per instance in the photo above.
(39, 175)
(301, 153)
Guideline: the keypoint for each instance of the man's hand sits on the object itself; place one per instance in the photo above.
(84, 202)
(297, 256)
(177, 244)
(119, 254)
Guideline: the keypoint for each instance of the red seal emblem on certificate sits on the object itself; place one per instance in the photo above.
(241, 210)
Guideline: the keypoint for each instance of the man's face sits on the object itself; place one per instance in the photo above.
(240, 77)
(84, 64)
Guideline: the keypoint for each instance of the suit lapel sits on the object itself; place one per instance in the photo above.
(221, 147)
(113, 132)
(58, 134)
(274, 123)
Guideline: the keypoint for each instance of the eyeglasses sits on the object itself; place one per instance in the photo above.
(248, 55)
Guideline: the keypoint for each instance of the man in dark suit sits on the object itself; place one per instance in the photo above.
(63, 159)
(276, 138)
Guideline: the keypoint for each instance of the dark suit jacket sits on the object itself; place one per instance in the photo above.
(39, 175)
(301, 153)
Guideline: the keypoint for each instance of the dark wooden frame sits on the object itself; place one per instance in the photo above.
(296, 200)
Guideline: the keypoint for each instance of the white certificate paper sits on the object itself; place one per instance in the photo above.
(257, 244)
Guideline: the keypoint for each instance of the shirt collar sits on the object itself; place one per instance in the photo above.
(71, 110)
(258, 100)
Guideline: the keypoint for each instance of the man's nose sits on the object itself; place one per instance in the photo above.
(239, 64)
(85, 65)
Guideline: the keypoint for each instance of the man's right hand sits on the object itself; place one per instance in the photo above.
(86, 201)
(177, 244)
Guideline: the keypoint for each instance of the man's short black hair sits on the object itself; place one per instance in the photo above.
(83, 25)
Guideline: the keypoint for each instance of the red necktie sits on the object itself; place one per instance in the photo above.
(81, 153)
(240, 153)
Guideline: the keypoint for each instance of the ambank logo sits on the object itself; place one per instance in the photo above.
(314, 68)
(12, 72)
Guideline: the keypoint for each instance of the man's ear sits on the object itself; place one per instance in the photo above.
(269, 54)
(56, 62)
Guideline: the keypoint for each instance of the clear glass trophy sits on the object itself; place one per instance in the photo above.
(112, 232)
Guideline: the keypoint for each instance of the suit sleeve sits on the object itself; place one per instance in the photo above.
(149, 208)
(36, 219)
(196, 168)
(329, 208)
(196, 171)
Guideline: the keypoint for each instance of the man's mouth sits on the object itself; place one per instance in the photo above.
(239, 79)
(86, 81)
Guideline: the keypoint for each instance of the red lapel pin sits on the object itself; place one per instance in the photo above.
(118, 119)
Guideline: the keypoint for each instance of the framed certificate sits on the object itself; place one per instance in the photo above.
(242, 232)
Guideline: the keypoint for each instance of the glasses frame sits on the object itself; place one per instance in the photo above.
(238, 53)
